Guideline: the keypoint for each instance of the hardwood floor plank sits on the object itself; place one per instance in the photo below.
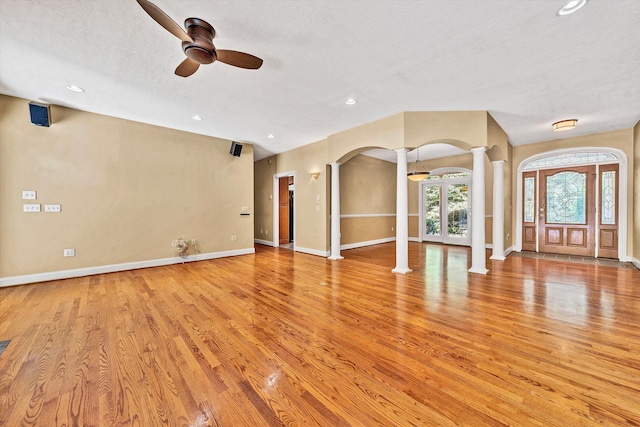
(279, 338)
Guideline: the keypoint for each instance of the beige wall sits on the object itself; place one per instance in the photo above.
(468, 127)
(367, 187)
(310, 196)
(500, 149)
(127, 190)
(620, 139)
(384, 133)
(636, 192)
(264, 171)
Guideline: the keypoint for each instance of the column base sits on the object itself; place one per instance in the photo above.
(402, 270)
(478, 270)
(497, 257)
(335, 258)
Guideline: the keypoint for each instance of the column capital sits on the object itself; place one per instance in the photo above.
(498, 163)
(335, 164)
(478, 150)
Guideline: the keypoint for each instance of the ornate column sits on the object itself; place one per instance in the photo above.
(402, 214)
(498, 211)
(335, 211)
(478, 259)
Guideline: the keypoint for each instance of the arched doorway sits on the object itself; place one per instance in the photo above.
(573, 202)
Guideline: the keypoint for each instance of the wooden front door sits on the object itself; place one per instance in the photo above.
(566, 211)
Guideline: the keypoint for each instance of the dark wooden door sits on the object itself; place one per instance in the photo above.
(566, 213)
(283, 209)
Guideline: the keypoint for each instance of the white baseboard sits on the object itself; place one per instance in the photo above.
(88, 271)
(309, 251)
(509, 250)
(414, 239)
(263, 242)
(636, 262)
(367, 243)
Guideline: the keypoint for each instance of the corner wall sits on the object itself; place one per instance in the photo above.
(127, 190)
(264, 170)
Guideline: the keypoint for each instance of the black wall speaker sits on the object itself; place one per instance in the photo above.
(40, 114)
(236, 149)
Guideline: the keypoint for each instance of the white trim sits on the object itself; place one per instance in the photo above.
(509, 250)
(636, 262)
(263, 242)
(414, 214)
(365, 215)
(312, 251)
(415, 239)
(623, 163)
(367, 243)
(112, 268)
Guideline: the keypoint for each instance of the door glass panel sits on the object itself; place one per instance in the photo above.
(457, 206)
(566, 198)
(432, 213)
(608, 198)
(529, 201)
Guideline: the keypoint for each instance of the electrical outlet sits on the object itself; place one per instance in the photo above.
(193, 241)
(174, 243)
(52, 208)
(31, 207)
(234, 238)
(29, 195)
(391, 228)
(69, 252)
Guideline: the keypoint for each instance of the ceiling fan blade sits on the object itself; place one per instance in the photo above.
(186, 68)
(239, 59)
(163, 19)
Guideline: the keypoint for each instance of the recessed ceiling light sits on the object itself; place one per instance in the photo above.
(563, 125)
(571, 7)
(196, 117)
(271, 136)
(74, 88)
(350, 101)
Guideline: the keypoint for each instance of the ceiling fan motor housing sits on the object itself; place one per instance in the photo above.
(202, 49)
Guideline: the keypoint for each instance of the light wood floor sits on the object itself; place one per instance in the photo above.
(283, 338)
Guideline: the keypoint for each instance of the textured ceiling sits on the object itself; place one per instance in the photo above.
(514, 58)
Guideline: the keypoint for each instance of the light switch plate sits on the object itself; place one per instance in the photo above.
(29, 195)
(52, 208)
(31, 207)
(69, 252)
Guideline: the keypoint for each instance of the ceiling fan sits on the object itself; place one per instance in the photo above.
(197, 43)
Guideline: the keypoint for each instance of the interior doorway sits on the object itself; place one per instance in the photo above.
(284, 210)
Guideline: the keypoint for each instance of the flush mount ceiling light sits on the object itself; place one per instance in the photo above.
(196, 117)
(563, 125)
(74, 88)
(571, 7)
(418, 175)
(350, 101)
